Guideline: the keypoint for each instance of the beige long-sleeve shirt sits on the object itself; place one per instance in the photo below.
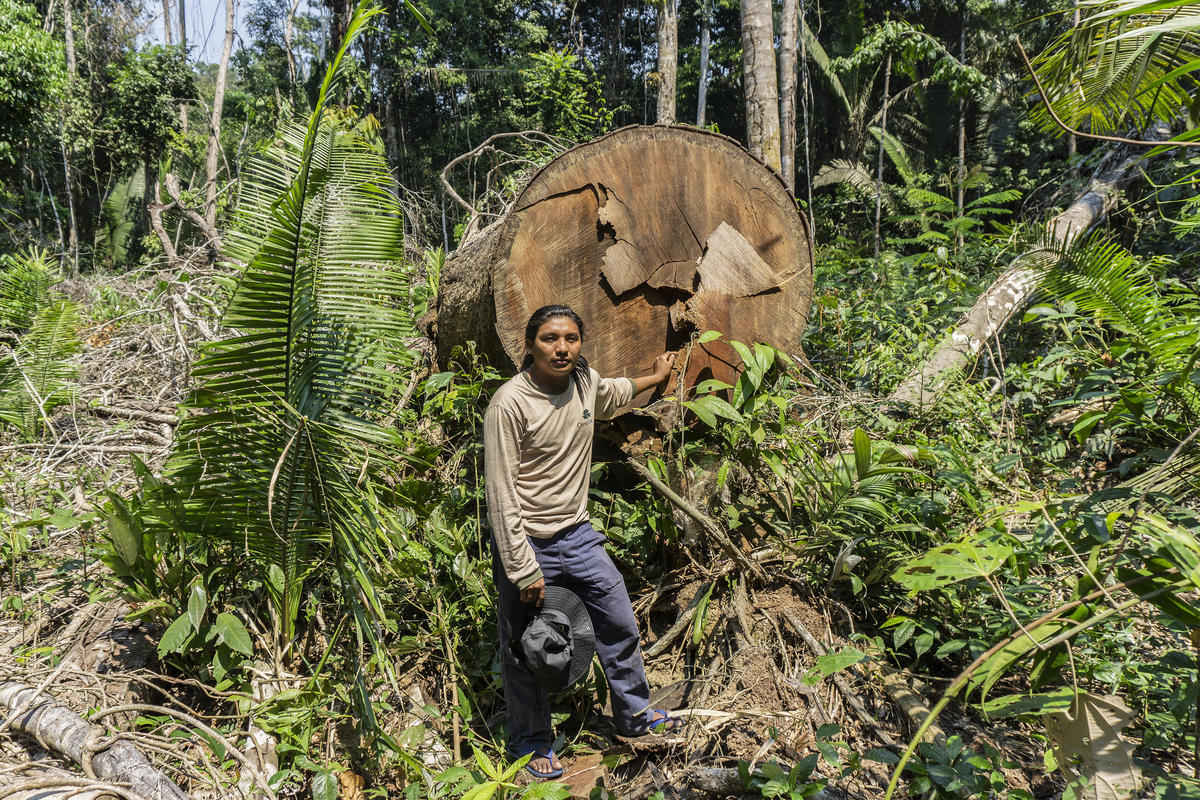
(537, 461)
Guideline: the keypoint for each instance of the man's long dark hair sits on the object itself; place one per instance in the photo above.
(539, 318)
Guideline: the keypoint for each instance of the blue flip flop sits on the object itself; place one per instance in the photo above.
(663, 722)
(551, 774)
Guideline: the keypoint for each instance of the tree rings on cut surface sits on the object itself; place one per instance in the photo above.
(652, 234)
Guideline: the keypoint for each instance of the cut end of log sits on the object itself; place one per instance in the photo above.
(651, 234)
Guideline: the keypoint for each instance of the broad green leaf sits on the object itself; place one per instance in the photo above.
(231, 631)
(125, 541)
(325, 786)
(952, 563)
(862, 453)
(482, 791)
(197, 604)
(830, 663)
(708, 336)
(1037, 704)
(175, 636)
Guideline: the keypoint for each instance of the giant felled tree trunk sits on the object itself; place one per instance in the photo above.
(651, 233)
(758, 73)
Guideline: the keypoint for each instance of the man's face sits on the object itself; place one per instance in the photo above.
(555, 349)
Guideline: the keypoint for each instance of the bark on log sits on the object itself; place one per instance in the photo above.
(651, 233)
(67, 733)
(1009, 293)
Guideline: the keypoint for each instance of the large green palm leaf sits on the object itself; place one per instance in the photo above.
(1126, 64)
(283, 440)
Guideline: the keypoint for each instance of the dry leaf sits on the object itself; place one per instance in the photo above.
(1089, 748)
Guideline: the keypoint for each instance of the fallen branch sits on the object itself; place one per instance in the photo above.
(850, 696)
(710, 527)
(1008, 294)
(68, 734)
(680, 625)
(134, 413)
(910, 703)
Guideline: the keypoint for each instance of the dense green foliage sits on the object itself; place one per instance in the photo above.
(1032, 536)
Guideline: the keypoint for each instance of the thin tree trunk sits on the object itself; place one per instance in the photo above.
(212, 158)
(887, 84)
(789, 35)
(68, 173)
(181, 5)
(668, 59)
(962, 131)
(1072, 144)
(1008, 294)
(702, 90)
(762, 90)
(168, 31)
(289, 32)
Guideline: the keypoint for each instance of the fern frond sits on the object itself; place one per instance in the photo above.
(38, 376)
(27, 282)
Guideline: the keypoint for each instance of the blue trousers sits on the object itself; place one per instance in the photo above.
(574, 559)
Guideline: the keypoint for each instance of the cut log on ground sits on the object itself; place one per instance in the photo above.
(65, 732)
(651, 233)
(1009, 293)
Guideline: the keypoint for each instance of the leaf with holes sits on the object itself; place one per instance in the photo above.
(953, 563)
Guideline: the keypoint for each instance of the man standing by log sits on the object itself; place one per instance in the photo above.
(538, 454)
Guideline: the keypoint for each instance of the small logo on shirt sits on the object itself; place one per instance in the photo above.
(587, 418)
(587, 413)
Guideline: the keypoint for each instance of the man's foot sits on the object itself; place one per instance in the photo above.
(544, 765)
(661, 721)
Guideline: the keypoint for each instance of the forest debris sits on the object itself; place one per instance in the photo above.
(732, 266)
(133, 413)
(725, 781)
(848, 693)
(910, 703)
(709, 525)
(1089, 747)
(680, 625)
(66, 733)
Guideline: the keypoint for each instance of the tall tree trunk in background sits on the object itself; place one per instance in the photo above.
(1072, 145)
(702, 89)
(789, 35)
(212, 157)
(183, 108)
(762, 90)
(68, 173)
(168, 30)
(962, 127)
(887, 84)
(289, 32)
(668, 59)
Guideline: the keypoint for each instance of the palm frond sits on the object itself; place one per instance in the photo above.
(284, 437)
(27, 282)
(38, 375)
(1128, 62)
(841, 170)
(1103, 279)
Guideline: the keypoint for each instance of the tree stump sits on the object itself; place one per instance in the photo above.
(651, 233)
